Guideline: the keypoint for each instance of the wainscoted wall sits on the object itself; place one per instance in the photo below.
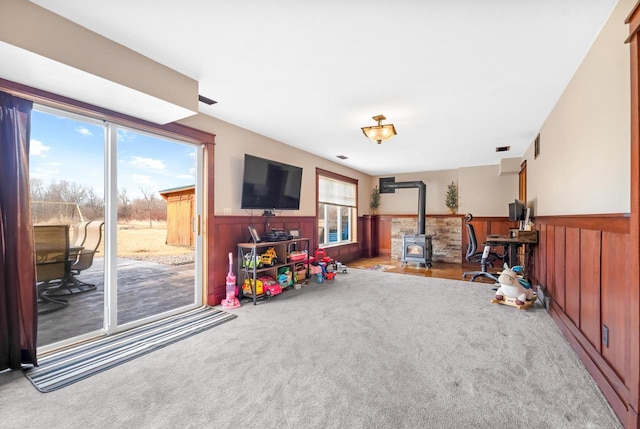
(582, 265)
(449, 231)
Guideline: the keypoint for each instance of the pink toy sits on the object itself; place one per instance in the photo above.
(231, 301)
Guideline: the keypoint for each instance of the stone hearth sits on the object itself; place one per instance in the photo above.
(445, 232)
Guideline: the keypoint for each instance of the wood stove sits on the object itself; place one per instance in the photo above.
(417, 248)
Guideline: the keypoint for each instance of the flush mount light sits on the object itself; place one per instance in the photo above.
(379, 133)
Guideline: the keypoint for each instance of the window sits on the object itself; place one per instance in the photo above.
(337, 211)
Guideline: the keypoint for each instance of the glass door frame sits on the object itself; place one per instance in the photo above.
(110, 228)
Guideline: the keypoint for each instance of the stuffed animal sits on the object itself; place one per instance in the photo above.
(510, 286)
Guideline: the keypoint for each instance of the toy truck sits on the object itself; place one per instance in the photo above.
(269, 258)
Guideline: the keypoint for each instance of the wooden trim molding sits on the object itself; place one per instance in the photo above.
(616, 222)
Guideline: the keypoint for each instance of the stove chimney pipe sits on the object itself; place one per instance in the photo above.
(422, 199)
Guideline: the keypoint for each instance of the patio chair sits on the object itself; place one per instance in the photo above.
(52, 262)
(79, 233)
(83, 260)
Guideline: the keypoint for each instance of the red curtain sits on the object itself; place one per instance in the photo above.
(18, 302)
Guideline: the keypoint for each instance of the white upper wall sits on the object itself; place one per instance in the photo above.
(482, 191)
(583, 166)
(233, 142)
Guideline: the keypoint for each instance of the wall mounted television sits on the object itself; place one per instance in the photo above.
(270, 185)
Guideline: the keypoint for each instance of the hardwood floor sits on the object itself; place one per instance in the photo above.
(439, 269)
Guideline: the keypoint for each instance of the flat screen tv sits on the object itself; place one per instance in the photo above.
(270, 185)
(516, 211)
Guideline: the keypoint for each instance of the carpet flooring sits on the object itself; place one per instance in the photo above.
(57, 370)
(369, 349)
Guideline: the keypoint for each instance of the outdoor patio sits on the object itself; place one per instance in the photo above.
(144, 288)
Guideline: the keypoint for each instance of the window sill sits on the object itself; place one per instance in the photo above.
(337, 244)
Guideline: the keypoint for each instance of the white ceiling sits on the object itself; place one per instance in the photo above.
(458, 78)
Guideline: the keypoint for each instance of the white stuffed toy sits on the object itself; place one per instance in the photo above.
(511, 287)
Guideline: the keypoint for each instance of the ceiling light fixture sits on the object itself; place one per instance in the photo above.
(379, 133)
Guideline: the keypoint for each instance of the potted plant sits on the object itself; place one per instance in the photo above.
(375, 200)
(451, 199)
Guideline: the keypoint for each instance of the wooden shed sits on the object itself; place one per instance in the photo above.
(180, 212)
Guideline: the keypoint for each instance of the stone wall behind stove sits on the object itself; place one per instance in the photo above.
(446, 233)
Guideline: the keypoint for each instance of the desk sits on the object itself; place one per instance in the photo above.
(513, 243)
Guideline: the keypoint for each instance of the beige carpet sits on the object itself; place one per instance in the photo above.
(367, 350)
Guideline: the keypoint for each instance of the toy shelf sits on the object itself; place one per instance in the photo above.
(248, 252)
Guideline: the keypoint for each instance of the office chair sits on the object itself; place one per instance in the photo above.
(485, 258)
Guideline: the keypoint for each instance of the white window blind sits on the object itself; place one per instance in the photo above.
(331, 191)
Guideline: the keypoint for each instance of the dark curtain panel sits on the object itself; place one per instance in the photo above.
(18, 302)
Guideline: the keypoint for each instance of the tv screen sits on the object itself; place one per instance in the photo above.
(516, 210)
(270, 185)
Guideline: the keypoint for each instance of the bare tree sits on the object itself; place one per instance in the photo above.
(94, 205)
(124, 205)
(149, 198)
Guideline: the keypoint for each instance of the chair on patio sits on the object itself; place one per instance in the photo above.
(79, 233)
(83, 261)
(52, 262)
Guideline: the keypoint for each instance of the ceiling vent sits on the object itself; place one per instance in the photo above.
(503, 148)
(343, 157)
(206, 100)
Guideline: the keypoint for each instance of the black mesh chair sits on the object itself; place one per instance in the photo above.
(485, 257)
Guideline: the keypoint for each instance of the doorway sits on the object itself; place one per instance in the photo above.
(96, 175)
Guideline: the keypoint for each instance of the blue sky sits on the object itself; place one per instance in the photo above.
(63, 148)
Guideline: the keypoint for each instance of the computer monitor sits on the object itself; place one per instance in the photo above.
(517, 211)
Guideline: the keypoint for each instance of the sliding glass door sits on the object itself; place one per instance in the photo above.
(156, 238)
(132, 203)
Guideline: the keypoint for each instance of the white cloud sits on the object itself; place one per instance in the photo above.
(84, 131)
(156, 164)
(141, 179)
(37, 148)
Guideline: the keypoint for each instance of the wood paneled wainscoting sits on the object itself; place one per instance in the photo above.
(582, 264)
(228, 231)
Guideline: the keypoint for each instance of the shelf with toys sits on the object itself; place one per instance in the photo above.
(268, 267)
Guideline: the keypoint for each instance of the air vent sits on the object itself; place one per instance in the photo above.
(206, 100)
(343, 157)
(503, 148)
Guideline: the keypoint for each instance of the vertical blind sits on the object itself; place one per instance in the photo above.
(331, 191)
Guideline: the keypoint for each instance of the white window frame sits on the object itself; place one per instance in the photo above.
(338, 192)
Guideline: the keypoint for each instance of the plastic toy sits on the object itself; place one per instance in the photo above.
(231, 300)
(341, 268)
(271, 287)
(269, 258)
(514, 290)
(264, 286)
(250, 259)
(316, 269)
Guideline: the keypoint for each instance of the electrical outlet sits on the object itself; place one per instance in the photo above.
(605, 336)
